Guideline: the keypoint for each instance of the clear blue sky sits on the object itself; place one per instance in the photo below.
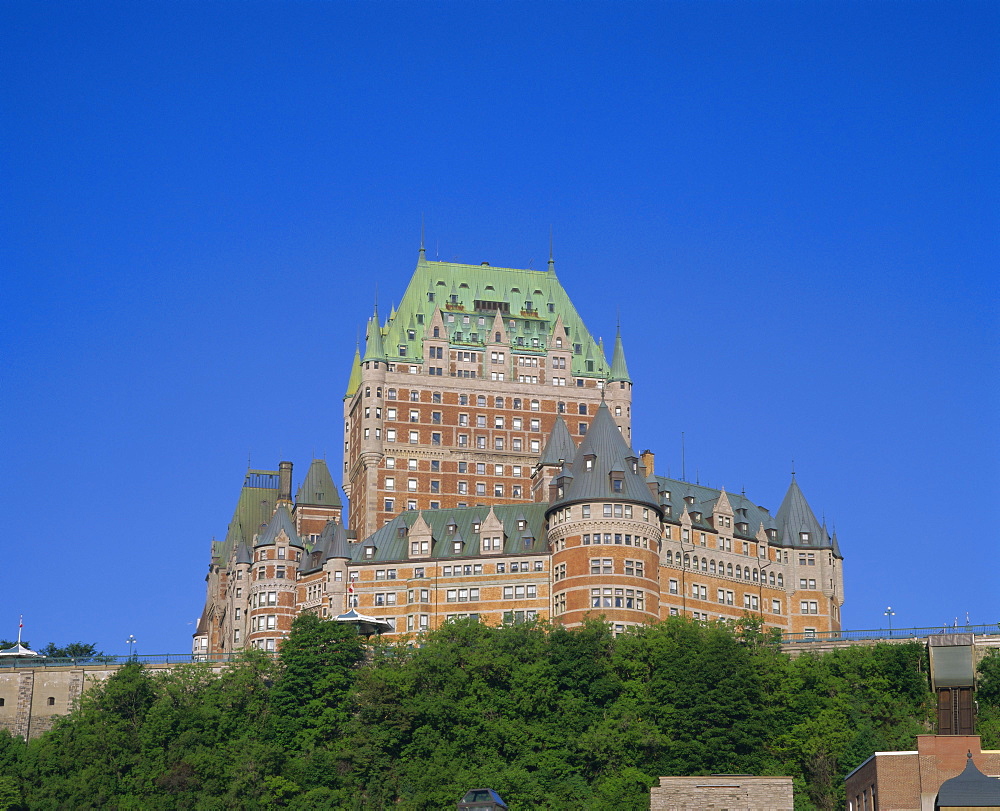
(794, 205)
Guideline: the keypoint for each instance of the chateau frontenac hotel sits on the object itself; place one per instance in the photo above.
(489, 470)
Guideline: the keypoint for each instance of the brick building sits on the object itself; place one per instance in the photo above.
(489, 469)
(910, 781)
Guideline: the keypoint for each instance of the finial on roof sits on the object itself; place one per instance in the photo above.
(793, 468)
(552, 261)
(422, 254)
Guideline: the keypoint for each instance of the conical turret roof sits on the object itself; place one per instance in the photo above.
(354, 382)
(602, 457)
(619, 370)
(281, 520)
(795, 517)
(318, 488)
(243, 554)
(374, 348)
(560, 446)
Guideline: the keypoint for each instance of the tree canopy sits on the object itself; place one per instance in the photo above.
(549, 717)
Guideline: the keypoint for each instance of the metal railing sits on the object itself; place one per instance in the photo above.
(116, 661)
(897, 634)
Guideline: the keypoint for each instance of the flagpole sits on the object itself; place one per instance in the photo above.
(20, 625)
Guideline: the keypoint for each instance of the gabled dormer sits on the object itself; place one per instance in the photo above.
(491, 534)
(420, 538)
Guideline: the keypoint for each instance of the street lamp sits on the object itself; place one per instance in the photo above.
(131, 644)
(890, 614)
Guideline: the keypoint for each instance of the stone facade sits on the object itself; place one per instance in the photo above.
(466, 423)
(737, 792)
(33, 696)
(909, 781)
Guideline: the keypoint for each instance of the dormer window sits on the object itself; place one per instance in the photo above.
(454, 298)
(451, 528)
(437, 332)
(369, 552)
(456, 547)
(588, 462)
(804, 537)
(617, 481)
(522, 524)
(689, 500)
(475, 526)
(402, 532)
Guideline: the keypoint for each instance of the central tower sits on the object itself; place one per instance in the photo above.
(457, 390)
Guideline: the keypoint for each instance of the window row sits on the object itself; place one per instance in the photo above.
(724, 569)
(631, 568)
(461, 595)
(525, 592)
(618, 598)
(615, 538)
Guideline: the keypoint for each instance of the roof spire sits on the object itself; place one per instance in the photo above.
(552, 261)
(422, 254)
(619, 369)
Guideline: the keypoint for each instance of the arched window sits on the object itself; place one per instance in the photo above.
(729, 569)
(496, 337)
(711, 567)
(781, 580)
(437, 332)
(670, 557)
(771, 578)
(704, 564)
(368, 391)
(687, 560)
(754, 575)
(378, 392)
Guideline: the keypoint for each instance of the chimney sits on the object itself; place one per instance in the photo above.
(646, 457)
(285, 481)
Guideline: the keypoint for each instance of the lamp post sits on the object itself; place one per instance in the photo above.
(131, 645)
(890, 614)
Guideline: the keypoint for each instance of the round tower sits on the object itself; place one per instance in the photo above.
(604, 532)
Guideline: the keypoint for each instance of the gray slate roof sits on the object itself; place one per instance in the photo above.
(970, 789)
(560, 446)
(318, 488)
(704, 501)
(391, 545)
(281, 520)
(795, 516)
(607, 452)
(332, 543)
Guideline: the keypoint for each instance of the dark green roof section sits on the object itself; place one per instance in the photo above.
(619, 369)
(318, 488)
(281, 520)
(672, 494)
(560, 446)
(392, 542)
(602, 458)
(470, 297)
(253, 510)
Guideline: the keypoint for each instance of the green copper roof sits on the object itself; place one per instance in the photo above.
(374, 346)
(469, 297)
(318, 488)
(355, 380)
(253, 510)
(619, 370)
